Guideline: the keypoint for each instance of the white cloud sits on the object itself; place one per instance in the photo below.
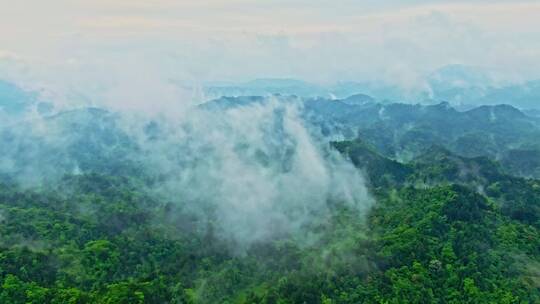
(189, 41)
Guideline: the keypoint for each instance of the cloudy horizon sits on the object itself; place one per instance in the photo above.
(64, 45)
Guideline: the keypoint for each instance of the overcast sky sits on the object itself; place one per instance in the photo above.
(104, 42)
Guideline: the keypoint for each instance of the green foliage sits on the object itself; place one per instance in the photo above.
(445, 229)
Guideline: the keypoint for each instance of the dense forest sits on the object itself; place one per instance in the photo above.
(455, 216)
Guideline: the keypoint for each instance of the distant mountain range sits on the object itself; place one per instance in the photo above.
(257, 199)
(15, 100)
(399, 131)
(403, 131)
(457, 84)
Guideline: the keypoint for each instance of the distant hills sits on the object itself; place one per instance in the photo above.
(457, 84)
(404, 131)
(399, 131)
(15, 100)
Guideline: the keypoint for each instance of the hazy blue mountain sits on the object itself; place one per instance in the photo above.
(225, 102)
(76, 141)
(532, 112)
(14, 101)
(266, 87)
(457, 75)
(460, 85)
(278, 86)
(358, 99)
(526, 96)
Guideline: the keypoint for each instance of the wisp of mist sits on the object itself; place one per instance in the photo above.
(256, 171)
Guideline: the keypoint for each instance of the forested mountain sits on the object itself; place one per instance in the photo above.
(403, 131)
(262, 200)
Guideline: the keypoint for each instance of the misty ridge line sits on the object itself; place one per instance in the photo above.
(255, 168)
(257, 172)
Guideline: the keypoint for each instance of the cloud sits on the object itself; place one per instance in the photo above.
(255, 173)
(263, 171)
(194, 42)
(8, 56)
